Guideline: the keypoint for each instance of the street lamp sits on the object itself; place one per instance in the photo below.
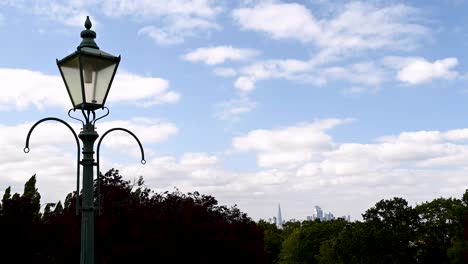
(88, 74)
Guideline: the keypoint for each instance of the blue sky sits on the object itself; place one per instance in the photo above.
(303, 103)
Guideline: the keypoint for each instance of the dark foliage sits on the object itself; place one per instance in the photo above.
(140, 226)
(136, 226)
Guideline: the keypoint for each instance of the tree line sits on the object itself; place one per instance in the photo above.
(391, 232)
(138, 225)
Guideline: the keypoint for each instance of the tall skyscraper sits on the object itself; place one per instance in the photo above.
(319, 212)
(279, 220)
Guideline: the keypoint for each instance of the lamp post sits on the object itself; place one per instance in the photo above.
(88, 74)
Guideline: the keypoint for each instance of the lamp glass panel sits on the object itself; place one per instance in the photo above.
(71, 74)
(97, 75)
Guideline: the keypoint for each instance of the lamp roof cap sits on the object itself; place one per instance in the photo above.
(88, 36)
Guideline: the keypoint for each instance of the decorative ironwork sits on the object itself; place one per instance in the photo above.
(143, 161)
(78, 155)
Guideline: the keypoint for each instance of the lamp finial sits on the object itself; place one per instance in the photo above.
(88, 36)
(88, 23)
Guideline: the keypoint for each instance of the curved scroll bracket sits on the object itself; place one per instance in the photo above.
(87, 116)
(143, 161)
(72, 117)
(26, 150)
(101, 117)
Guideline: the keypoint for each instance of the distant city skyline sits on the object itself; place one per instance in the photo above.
(317, 214)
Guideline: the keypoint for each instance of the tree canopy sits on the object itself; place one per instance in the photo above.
(136, 225)
(391, 232)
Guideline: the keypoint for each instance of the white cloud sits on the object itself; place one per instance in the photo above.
(245, 84)
(225, 72)
(219, 54)
(168, 21)
(457, 134)
(69, 13)
(177, 31)
(276, 68)
(310, 154)
(198, 159)
(151, 90)
(232, 109)
(415, 70)
(288, 146)
(32, 88)
(280, 20)
(418, 70)
(158, 8)
(39, 90)
(401, 165)
(161, 36)
(365, 73)
(357, 25)
(408, 150)
(149, 131)
(172, 21)
(192, 171)
(355, 91)
(269, 177)
(270, 69)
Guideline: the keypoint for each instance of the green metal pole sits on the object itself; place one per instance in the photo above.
(88, 135)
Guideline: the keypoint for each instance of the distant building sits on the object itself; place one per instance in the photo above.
(328, 217)
(318, 213)
(279, 222)
(346, 218)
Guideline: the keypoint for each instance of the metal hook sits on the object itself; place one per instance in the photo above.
(143, 161)
(26, 150)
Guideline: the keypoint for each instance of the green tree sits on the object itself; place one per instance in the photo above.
(290, 251)
(303, 244)
(47, 210)
(7, 194)
(58, 208)
(387, 235)
(441, 226)
(273, 240)
(31, 194)
(394, 223)
(357, 243)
